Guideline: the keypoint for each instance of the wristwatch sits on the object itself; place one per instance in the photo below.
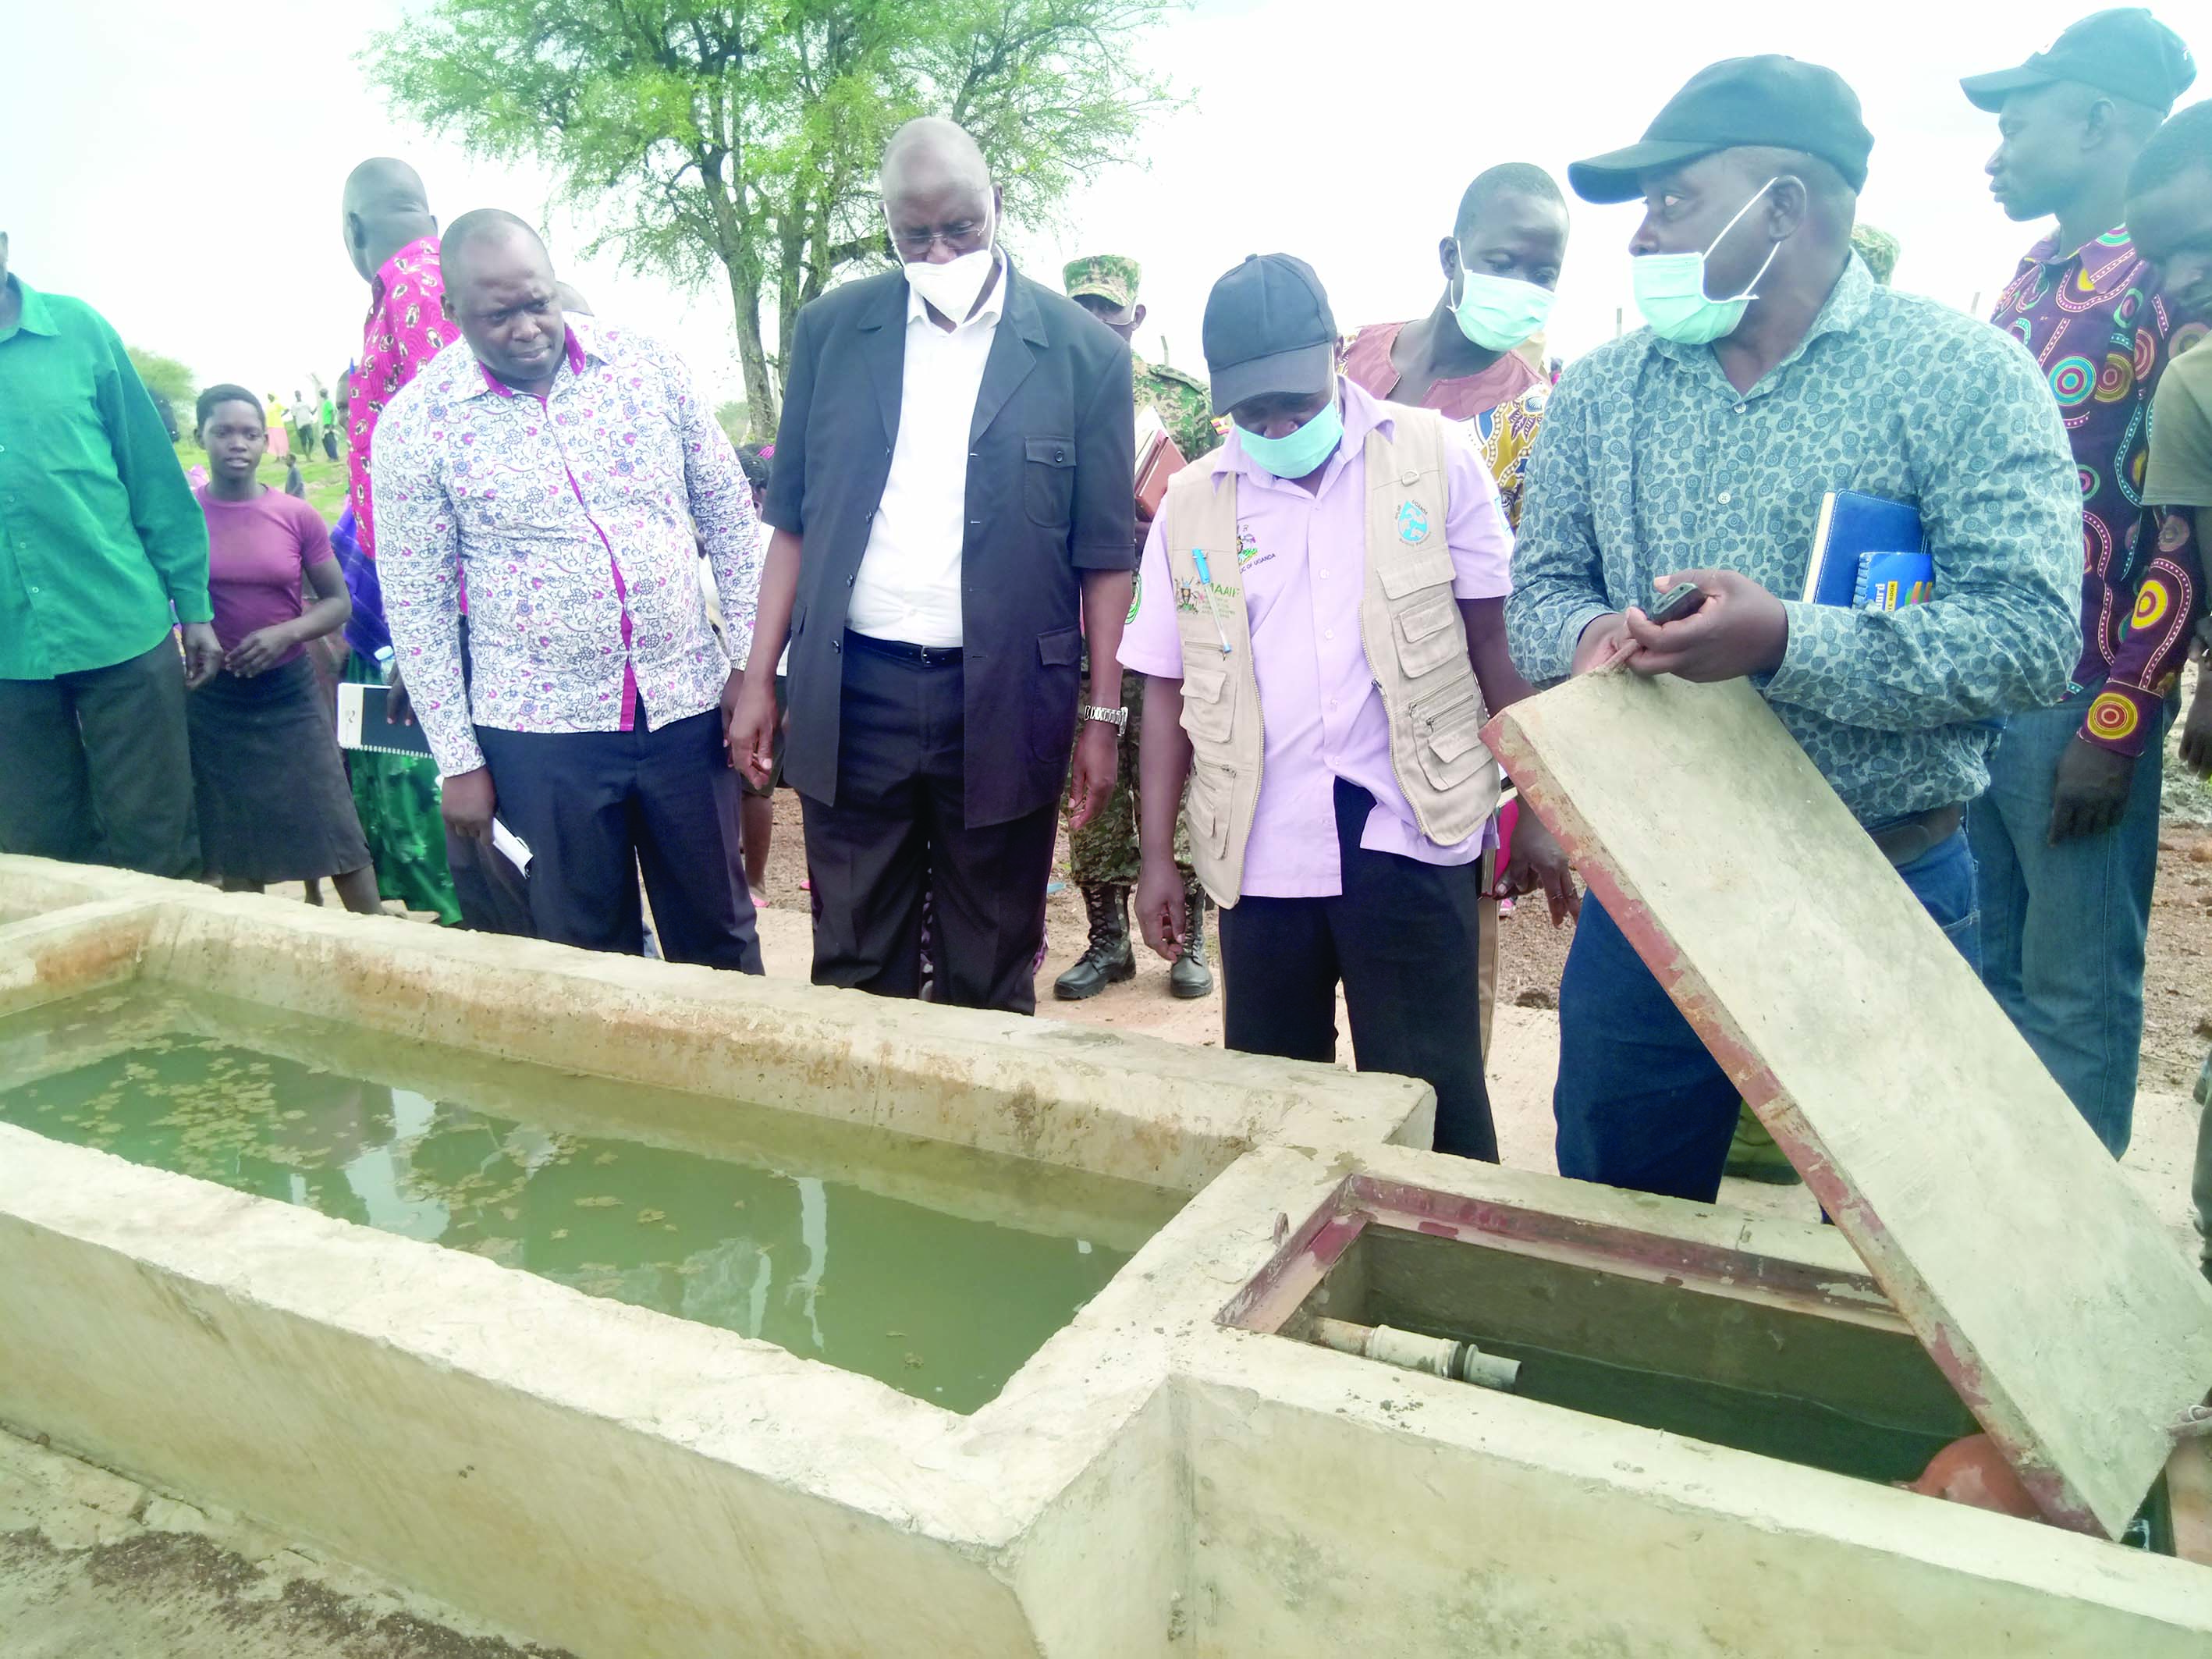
(1116, 718)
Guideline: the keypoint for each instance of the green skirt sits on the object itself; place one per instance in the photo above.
(396, 797)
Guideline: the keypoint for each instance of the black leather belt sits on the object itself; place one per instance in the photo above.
(922, 656)
(1905, 840)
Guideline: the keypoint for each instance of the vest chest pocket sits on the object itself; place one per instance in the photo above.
(1426, 635)
(1448, 737)
(1209, 708)
(1407, 573)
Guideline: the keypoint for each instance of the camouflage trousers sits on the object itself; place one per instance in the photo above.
(1103, 853)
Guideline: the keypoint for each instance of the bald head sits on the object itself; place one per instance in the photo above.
(485, 234)
(930, 151)
(384, 209)
(938, 194)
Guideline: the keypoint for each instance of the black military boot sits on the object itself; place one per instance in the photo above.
(1190, 978)
(1110, 959)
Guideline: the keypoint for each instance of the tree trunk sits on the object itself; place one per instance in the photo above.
(763, 392)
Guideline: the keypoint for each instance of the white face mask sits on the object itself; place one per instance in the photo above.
(955, 286)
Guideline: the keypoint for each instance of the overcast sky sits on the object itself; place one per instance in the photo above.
(180, 167)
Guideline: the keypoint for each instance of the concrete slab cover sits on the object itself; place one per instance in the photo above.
(1980, 1201)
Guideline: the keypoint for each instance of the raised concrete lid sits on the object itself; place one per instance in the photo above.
(2070, 1324)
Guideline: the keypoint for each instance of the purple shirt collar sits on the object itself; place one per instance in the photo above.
(577, 349)
(1364, 413)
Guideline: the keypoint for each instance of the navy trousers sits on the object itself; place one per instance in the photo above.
(596, 808)
(1639, 1102)
(1402, 937)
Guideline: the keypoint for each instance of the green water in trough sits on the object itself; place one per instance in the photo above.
(935, 1268)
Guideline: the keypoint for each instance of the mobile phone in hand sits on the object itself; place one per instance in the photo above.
(1681, 601)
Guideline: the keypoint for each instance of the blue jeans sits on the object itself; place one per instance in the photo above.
(2062, 927)
(1639, 1102)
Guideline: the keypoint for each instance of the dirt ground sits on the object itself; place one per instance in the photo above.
(2176, 979)
(96, 1566)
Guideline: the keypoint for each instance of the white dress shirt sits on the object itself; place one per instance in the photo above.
(908, 584)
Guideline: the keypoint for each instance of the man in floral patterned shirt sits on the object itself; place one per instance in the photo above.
(2066, 840)
(1774, 371)
(559, 466)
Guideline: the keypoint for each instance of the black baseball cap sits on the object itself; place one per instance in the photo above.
(1268, 328)
(2125, 52)
(1765, 101)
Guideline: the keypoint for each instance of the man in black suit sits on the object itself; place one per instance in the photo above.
(952, 507)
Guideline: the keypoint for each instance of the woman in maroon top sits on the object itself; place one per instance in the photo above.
(270, 789)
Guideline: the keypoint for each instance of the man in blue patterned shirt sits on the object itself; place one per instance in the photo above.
(1699, 449)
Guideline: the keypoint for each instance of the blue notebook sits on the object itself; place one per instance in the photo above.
(1869, 553)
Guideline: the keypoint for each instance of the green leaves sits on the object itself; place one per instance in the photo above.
(708, 136)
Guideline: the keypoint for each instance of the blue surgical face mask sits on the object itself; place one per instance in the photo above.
(1499, 312)
(1297, 453)
(1670, 289)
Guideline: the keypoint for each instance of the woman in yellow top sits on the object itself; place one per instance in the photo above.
(280, 441)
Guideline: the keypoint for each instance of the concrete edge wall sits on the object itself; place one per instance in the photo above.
(1503, 1526)
(1331, 1498)
(1033, 1088)
(84, 947)
(601, 1476)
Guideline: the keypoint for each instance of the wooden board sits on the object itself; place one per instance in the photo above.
(2071, 1325)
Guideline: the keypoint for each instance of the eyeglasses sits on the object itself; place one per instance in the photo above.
(914, 244)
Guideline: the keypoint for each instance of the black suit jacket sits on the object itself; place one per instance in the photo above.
(1051, 493)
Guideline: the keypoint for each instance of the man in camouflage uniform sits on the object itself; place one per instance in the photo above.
(1878, 248)
(1105, 851)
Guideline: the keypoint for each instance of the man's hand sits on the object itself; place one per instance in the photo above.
(398, 707)
(2091, 791)
(203, 654)
(258, 652)
(470, 803)
(749, 727)
(1603, 643)
(1740, 629)
(1539, 861)
(1160, 916)
(2196, 728)
(1097, 759)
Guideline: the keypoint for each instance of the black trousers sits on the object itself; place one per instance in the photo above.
(899, 825)
(1402, 937)
(595, 808)
(95, 766)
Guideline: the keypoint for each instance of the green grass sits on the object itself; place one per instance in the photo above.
(325, 480)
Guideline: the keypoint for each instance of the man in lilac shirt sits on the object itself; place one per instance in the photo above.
(560, 467)
(1335, 879)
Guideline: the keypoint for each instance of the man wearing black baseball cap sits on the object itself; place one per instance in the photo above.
(2066, 838)
(1339, 815)
(1700, 450)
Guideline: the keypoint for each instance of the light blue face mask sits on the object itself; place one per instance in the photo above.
(1497, 312)
(1670, 289)
(1297, 453)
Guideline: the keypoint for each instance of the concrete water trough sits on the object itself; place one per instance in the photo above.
(1171, 1470)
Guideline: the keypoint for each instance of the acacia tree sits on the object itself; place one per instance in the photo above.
(742, 137)
(164, 375)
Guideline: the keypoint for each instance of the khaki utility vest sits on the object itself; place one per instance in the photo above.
(1409, 622)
